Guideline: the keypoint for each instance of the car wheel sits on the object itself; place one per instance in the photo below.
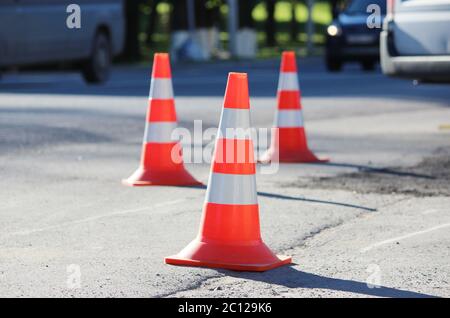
(334, 65)
(97, 68)
(368, 65)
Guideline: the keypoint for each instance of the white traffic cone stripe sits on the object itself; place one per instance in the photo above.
(288, 81)
(231, 189)
(159, 132)
(235, 124)
(289, 118)
(161, 88)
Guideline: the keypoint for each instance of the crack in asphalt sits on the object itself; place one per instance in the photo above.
(200, 283)
(197, 285)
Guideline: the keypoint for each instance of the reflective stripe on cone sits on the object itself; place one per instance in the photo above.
(159, 132)
(241, 189)
(289, 118)
(288, 81)
(161, 88)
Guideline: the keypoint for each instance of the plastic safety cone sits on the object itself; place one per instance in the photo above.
(229, 235)
(161, 160)
(289, 142)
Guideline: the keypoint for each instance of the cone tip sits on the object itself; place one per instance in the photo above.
(288, 61)
(237, 76)
(289, 53)
(161, 54)
(161, 65)
(236, 94)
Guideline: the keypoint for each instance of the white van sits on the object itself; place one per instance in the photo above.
(84, 33)
(415, 41)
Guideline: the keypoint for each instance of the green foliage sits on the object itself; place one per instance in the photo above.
(160, 38)
(283, 12)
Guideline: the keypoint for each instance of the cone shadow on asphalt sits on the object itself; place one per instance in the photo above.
(311, 200)
(368, 169)
(286, 197)
(290, 277)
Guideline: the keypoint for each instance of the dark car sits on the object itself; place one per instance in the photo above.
(354, 35)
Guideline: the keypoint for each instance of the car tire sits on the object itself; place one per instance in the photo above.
(368, 65)
(96, 69)
(333, 65)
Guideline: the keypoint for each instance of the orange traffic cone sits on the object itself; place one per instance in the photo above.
(161, 160)
(288, 136)
(229, 234)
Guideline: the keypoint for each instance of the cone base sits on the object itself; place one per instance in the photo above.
(143, 178)
(253, 258)
(283, 260)
(304, 156)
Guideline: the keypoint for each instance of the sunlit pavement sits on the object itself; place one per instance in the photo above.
(65, 217)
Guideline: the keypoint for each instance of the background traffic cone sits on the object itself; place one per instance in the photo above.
(161, 160)
(288, 136)
(229, 234)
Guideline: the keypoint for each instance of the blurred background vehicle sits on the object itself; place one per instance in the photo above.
(349, 37)
(36, 33)
(415, 42)
(33, 33)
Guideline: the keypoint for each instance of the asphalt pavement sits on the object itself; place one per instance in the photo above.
(374, 222)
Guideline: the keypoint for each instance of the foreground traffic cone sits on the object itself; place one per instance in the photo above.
(161, 160)
(229, 234)
(288, 136)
